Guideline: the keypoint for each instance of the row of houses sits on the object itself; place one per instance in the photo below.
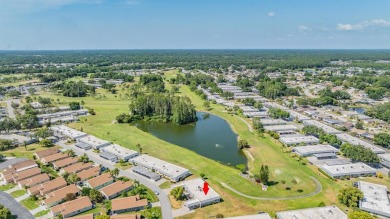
(148, 166)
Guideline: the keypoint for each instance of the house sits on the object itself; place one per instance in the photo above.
(100, 181)
(196, 196)
(64, 131)
(65, 162)
(171, 171)
(253, 216)
(126, 216)
(19, 139)
(88, 173)
(44, 188)
(93, 141)
(120, 152)
(116, 188)
(327, 212)
(128, 204)
(35, 180)
(75, 168)
(17, 167)
(19, 176)
(71, 208)
(41, 154)
(58, 196)
(348, 170)
(54, 157)
(376, 199)
(146, 173)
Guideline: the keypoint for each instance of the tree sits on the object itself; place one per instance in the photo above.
(359, 153)
(114, 172)
(46, 143)
(70, 196)
(84, 158)
(277, 113)
(5, 144)
(70, 153)
(95, 196)
(206, 104)
(72, 178)
(242, 144)
(177, 192)
(44, 133)
(5, 213)
(85, 191)
(74, 105)
(359, 125)
(360, 215)
(350, 196)
(264, 174)
(139, 148)
(382, 139)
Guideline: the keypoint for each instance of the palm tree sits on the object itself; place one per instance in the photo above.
(139, 148)
(114, 172)
(70, 153)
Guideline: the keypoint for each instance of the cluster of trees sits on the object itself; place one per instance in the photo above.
(320, 101)
(382, 139)
(263, 176)
(359, 153)
(242, 143)
(166, 108)
(277, 113)
(338, 95)
(75, 89)
(380, 111)
(74, 105)
(350, 196)
(328, 138)
(274, 88)
(153, 82)
(93, 194)
(6, 144)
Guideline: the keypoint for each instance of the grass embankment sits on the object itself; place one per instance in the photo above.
(18, 193)
(264, 150)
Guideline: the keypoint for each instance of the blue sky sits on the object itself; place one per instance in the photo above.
(194, 24)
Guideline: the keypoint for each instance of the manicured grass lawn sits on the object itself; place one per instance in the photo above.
(41, 213)
(166, 185)
(22, 152)
(151, 196)
(49, 170)
(29, 204)
(7, 187)
(264, 150)
(18, 193)
(124, 167)
(97, 209)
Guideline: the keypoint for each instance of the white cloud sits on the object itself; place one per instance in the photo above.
(303, 28)
(363, 25)
(271, 14)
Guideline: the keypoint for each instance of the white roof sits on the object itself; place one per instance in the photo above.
(327, 212)
(273, 122)
(315, 149)
(348, 169)
(119, 150)
(299, 139)
(194, 187)
(253, 216)
(327, 129)
(376, 199)
(161, 166)
(93, 141)
(356, 141)
(280, 127)
(248, 109)
(385, 157)
(69, 132)
(300, 116)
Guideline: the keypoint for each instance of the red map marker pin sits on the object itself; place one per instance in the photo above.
(205, 188)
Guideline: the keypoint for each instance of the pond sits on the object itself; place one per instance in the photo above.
(358, 110)
(211, 137)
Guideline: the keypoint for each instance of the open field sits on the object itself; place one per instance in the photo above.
(22, 152)
(264, 150)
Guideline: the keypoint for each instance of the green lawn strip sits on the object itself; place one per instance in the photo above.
(152, 197)
(18, 193)
(7, 187)
(49, 170)
(166, 185)
(97, 209)
(29, 204)
(41, 213)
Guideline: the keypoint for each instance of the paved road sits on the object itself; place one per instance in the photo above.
(14, 206)
(10, 110)
(318, 190)
(163, 197)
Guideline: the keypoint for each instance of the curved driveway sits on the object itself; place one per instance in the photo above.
(14, 206)
(318, 190)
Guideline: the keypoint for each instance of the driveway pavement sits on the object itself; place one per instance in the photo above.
(36, 210)
(15, 208)
(21, 198)
(163, 197)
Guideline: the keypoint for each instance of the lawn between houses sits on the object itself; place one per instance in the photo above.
(264, 150)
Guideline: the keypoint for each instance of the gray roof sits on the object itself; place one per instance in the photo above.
(107, 155)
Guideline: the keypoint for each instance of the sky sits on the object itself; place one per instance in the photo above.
(194, 24)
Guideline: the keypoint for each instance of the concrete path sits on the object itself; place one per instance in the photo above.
(156, 204)
(9, 191)
(182, 211)
(16, 209)
(317, 191)
(163, 197)
(10, 110)
(21, 198)
(249, 125)
(36, 210)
